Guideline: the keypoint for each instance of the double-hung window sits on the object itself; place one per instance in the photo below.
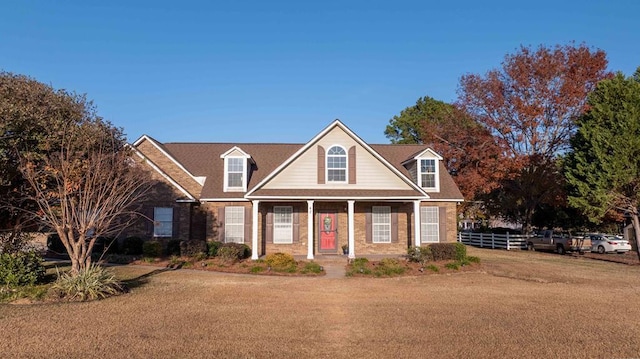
(235, 173)
(236, 170)
(429, 228)
(234, 224)
(163, 222)
(381, 222)
(428, 173)
(282, 224)
(336, 164)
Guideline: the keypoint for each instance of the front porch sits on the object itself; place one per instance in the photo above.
(322, 227)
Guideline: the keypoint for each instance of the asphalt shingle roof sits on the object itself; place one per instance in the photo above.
(203, 159)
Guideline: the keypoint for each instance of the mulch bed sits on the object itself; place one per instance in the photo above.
(246, 266)
(219, 265)
(415, 269)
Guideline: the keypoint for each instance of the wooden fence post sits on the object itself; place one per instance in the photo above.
(507, 240)
(493, 241)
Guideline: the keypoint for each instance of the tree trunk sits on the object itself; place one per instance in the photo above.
(528, 219)
(636, 230)
(79, 251)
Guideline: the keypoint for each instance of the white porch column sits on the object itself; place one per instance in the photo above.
(310, 229)
(254, 230)
(416, 222)
(351, 225)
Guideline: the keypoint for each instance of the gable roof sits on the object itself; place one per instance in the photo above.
(397, 155)
(202, 160)
(417, 191)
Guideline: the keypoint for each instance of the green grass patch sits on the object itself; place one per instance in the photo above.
(389, 267)
(433, 268)
(311, 267)
(32, 292)
(452, 265)
(358, 266)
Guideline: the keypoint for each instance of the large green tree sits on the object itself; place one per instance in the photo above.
(408, 126)
(603, 167)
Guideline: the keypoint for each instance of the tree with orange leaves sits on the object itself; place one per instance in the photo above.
(530, 106)
(470, 152)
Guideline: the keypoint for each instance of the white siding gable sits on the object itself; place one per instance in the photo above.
(302, 173)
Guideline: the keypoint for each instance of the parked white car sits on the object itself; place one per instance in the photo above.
(606, 243)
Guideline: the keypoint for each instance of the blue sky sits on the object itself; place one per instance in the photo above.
(280, 71)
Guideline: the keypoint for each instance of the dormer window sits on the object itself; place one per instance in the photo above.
(425, 168)
(336, 164)
(428, 173)
(236, 170)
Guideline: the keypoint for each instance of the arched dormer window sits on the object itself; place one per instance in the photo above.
(336, 164)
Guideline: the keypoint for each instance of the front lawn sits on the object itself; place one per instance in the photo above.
(520, 305)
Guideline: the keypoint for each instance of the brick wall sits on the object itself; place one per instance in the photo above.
(362, 248)
(300, 243)
(170, 168)
(161, 194)
(452, 221)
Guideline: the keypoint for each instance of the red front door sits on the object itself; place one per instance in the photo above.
(328, 227)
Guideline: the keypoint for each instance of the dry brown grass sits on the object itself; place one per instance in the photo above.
(520, 304)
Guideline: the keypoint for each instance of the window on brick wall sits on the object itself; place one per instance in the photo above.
(282, 224)
(381, 222)
(162, 222)
(234, 224)
(429, 227)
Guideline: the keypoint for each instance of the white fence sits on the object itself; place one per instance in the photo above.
(492, 240)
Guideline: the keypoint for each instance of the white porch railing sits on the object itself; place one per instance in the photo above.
(492, 240)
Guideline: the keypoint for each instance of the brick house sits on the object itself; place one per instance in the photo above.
(303, 199)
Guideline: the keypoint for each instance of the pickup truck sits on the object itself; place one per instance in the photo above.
(559, 241)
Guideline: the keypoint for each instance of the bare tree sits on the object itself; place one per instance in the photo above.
(89, 188)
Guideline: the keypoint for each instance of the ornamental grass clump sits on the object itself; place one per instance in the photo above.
(93, 282)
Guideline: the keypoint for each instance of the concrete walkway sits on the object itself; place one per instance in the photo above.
(334, 267)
